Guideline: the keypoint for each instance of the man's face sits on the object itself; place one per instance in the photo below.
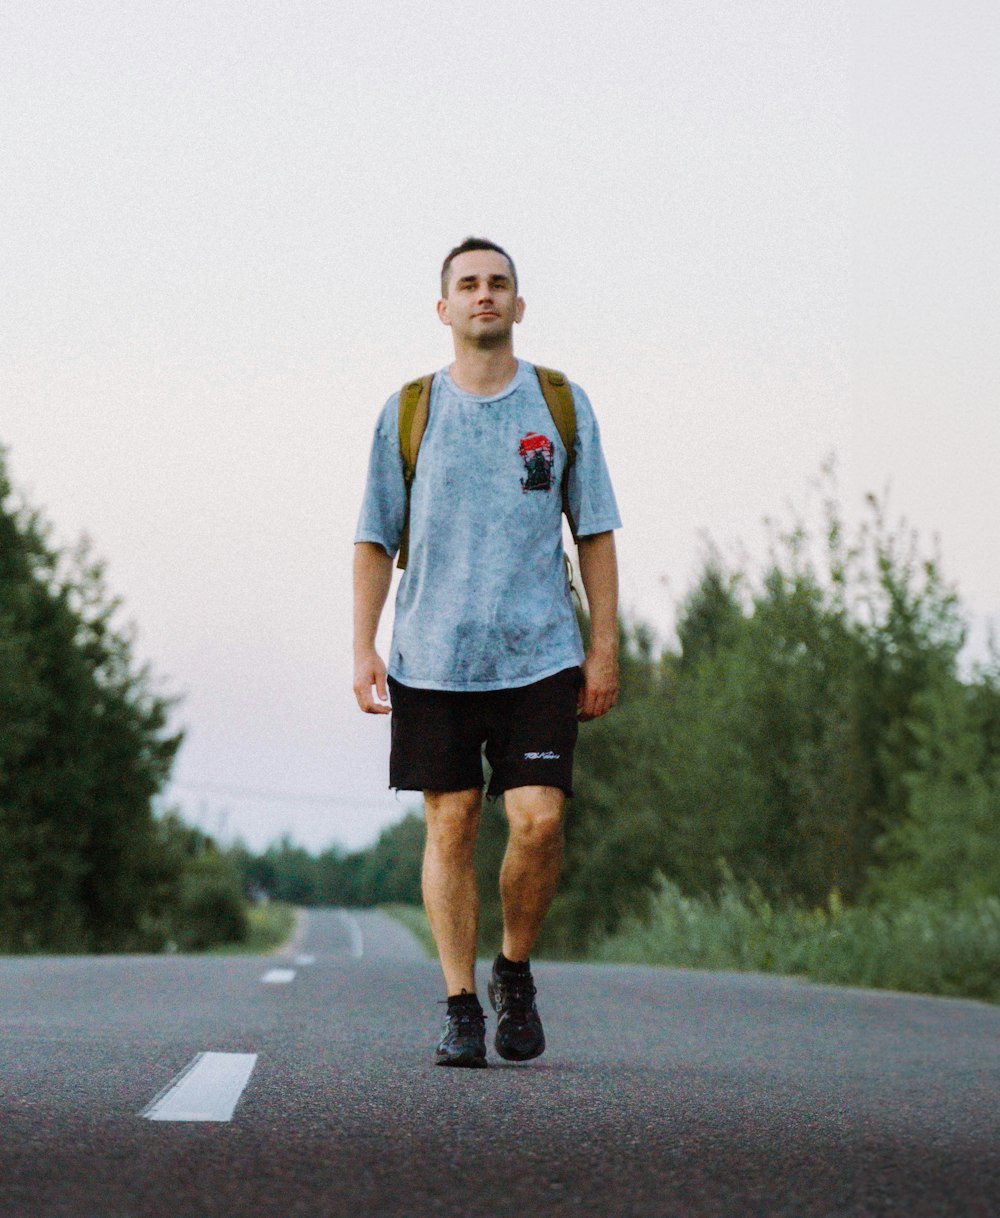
(481, 305)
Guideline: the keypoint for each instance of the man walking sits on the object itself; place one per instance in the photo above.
(485, 647)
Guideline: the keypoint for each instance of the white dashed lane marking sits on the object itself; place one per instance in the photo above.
(207, 1089)
(302, 961)
(354, 930)
(278, 976)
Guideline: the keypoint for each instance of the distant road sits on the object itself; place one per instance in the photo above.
(301, 1086)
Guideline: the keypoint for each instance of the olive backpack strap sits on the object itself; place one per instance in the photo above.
(559, 399)
(414, 405)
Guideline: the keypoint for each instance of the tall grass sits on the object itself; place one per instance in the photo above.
(922, 947)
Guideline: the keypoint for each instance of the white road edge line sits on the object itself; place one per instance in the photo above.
(207, 1089)
(354, 930)
(278, 976)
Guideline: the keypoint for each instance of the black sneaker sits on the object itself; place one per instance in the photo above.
(519, 1030)
(463, 1038)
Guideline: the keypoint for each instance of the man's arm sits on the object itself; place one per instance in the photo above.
(372, 579)
(599, 572)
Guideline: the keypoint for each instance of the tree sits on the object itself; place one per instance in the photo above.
(779, 746)
(84, 747)
(391, 868)
(947, 846)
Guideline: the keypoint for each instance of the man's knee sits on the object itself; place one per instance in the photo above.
(535, 815)
(452, 817)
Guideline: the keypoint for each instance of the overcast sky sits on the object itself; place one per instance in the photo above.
(756, 233)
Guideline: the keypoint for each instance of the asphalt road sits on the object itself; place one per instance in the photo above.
(661, 1092)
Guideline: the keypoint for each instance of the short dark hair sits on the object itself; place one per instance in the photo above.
(467, 246)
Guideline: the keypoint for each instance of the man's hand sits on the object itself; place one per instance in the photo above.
(600, 685)
(599, 571)
(370, 671)
(372, 577)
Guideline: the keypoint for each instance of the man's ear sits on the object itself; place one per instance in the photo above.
(442, 311)
(518, 310)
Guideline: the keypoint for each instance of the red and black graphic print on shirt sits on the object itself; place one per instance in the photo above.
(536, 452)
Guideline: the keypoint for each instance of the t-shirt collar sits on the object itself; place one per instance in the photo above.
(507, 390)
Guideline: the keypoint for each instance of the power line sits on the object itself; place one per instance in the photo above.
(299, 797)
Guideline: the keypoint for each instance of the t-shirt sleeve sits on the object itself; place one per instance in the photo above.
(383, 508)
(591, 496)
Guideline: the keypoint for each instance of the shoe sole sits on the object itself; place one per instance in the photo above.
(508, 1056)
(475, 1063)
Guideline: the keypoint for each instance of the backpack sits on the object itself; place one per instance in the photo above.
(414, 403)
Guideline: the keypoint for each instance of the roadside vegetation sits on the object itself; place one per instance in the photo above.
(85, 746)
(922, 946)
(807, 785)
(270, 925)
(385, 873)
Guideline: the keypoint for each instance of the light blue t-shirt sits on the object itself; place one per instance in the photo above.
(484, 602)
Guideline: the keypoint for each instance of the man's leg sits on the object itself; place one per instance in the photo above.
(529, 875)
(528, 880)
(451, 897)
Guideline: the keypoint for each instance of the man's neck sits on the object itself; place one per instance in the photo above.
(483, 371)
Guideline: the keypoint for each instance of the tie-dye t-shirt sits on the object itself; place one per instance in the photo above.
(484, 602)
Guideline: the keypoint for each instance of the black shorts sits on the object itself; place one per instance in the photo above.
(529, 734)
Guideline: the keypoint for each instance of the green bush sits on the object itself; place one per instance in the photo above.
(210, 909)
(927, 946)
(947, 846)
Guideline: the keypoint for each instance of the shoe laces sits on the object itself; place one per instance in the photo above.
(465, 1017)
(517, 990)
